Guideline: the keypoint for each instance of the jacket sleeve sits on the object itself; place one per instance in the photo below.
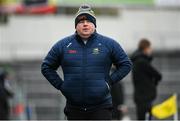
(121, 61)
(147, 67)
(50, 65)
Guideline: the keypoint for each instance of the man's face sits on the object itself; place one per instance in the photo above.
(85, 28)
(148, 51)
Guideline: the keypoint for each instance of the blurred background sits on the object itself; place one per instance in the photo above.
(29, 28)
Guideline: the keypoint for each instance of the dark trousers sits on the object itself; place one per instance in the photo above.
(98, 114)
(116, 114)
(4, 112)
(142, 109)
(4, 108)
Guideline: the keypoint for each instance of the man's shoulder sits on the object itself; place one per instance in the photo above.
(142, 61)
(108, 41)
(64, 41)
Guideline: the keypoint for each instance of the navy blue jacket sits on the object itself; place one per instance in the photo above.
(86, 68)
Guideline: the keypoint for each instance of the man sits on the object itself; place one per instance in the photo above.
(86, 58)
(5, 94)
(145, 79)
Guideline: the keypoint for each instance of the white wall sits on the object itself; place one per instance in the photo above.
(30, 37)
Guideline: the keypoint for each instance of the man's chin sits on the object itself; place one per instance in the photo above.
(86, 35)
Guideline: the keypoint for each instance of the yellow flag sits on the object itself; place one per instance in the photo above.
(165, 109)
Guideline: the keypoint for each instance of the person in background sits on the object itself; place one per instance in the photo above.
(5, 94)
(145, 79)
(86, 58)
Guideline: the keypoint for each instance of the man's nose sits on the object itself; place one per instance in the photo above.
(85, 23)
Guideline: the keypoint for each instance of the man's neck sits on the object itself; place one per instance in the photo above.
(84, 37)
(84, 40)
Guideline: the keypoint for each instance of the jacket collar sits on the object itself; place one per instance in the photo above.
(89, 40)
(139, 54)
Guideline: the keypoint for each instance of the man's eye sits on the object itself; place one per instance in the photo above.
(87, 21)
(81, 22)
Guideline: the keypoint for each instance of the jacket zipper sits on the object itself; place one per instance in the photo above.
(84, 74)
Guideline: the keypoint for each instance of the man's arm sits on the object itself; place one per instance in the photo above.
(121, 61)
(50, 65)
(147, 67)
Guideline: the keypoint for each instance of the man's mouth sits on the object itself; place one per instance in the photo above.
(85, 29)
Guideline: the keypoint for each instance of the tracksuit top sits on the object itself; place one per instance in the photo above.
(86, 68)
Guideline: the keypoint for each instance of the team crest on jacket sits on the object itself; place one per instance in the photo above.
(95, 51)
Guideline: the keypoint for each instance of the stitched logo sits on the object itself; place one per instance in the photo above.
(95, 51)
(69, 45)
(72, 51)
